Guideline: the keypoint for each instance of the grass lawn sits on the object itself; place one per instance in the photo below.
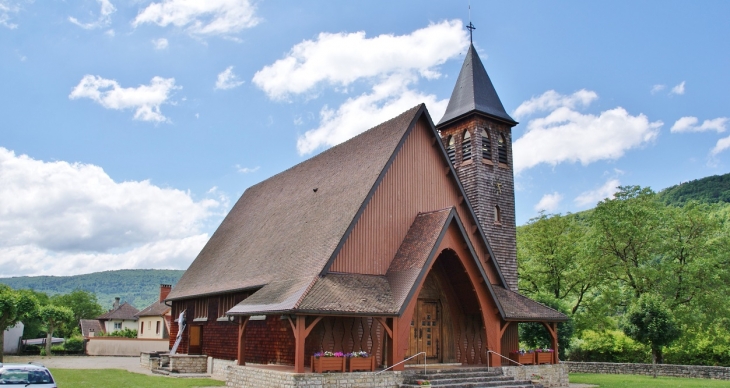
(93, 378)
(616, 381)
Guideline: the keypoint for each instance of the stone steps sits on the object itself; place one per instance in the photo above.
(464, 378)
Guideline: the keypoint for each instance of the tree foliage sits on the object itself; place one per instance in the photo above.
(83, 304)
(54, 317)
(14, 307)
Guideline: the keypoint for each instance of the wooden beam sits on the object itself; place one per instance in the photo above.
(299, 337)
(242, 340)
(311, 326)
(503, 329)
(385, 326)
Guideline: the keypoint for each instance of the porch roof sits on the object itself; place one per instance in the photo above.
(517, 307)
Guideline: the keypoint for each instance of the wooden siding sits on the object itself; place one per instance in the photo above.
(417, 181)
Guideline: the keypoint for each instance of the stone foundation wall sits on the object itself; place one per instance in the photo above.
(697, 371)
(183, 363)
(149, 360)
(553, 375)
(252, 377)
(218, 368)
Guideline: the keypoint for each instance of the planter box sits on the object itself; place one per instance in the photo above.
(524, 359)
(361, 363)
(543, 358)
(328, 364)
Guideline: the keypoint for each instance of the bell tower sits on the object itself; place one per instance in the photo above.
(477, 134)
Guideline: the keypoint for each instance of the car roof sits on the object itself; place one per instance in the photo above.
(23, 366)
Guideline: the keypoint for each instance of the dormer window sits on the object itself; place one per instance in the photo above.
(466, 147)
(502, 148)
(451, 149)
(486, 146)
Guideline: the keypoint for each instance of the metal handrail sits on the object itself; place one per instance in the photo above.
(508, 359)
(415, 355)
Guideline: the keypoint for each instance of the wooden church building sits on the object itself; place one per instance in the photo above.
(398, 241)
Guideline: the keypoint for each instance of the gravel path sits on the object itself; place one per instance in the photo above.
(83, 362)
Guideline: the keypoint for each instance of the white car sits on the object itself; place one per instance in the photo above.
(26, 374)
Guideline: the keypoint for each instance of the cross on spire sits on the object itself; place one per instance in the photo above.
(471, 29)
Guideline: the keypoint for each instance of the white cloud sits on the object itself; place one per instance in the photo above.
(391, 65)
(549, 202)
(341, 59)
(110, 32)
(201, 17)
(61, 218)
(551, 100)
(247, 170)
(657, 88)
(689, 124)
(679, 89)
(227, 79)
(7, 10)
(592, 197)
(721, 145)
(388, 99)
(105, 19)
(566, 135)
(145, 99)
(160, 44)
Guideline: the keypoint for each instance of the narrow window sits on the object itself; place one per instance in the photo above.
(451, 149)
(466, 147)
(158, 328)
(201, 309)
(497, 215)
(141, 328)
(486, 146)
(225, 303)
(502, 146)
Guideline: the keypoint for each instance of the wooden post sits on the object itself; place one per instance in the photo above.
(242, 340)
(555, 342)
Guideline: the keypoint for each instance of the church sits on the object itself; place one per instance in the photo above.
(398, 242)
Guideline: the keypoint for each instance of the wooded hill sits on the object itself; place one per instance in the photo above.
(139, 287)
(711, 189)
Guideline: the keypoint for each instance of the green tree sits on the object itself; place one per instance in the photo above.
(54, 317)
(649, 322)
(535, 335)
(83, 304)
(626, 237)
(554, 259)
(14, 307)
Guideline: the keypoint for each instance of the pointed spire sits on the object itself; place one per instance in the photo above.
(474, 92)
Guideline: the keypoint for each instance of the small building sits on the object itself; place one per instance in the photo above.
(11, 338)
(154, 320)
(121, 316)
(91, 327)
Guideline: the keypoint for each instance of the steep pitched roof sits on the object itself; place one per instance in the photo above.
(124, 311)
(154, 310)
(88, 325)
(283, 231)
(474, 92)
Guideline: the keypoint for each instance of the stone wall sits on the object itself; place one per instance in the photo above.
(115, 346)
(149, 360)
(697, 371)
(218, 368)
(553, 375)
(183, 363)
(252, 377)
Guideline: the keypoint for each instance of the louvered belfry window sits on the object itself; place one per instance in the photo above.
(486, 146)
(451, 150)
(466, 147)
(502, 148)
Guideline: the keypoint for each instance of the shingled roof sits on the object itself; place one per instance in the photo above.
(88, 325)
(154, 310)
(516, 307)
(124, 311)
(474, 92)
(282, 231)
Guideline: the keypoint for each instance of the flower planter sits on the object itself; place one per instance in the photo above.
(328, 364)
(543, 358)
(524, 359)
(361, 363)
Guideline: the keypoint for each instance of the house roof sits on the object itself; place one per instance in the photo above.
(124, 311)
(88, 325)
(283, 231)
(517, 307)
(474, 92)
(155, 309)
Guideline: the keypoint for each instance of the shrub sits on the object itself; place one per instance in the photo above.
(608, 346)
(74, 345)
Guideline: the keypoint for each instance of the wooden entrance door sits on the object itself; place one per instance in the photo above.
(196, 340)
(426, 331)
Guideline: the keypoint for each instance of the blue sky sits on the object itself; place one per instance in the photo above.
(131, 127)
